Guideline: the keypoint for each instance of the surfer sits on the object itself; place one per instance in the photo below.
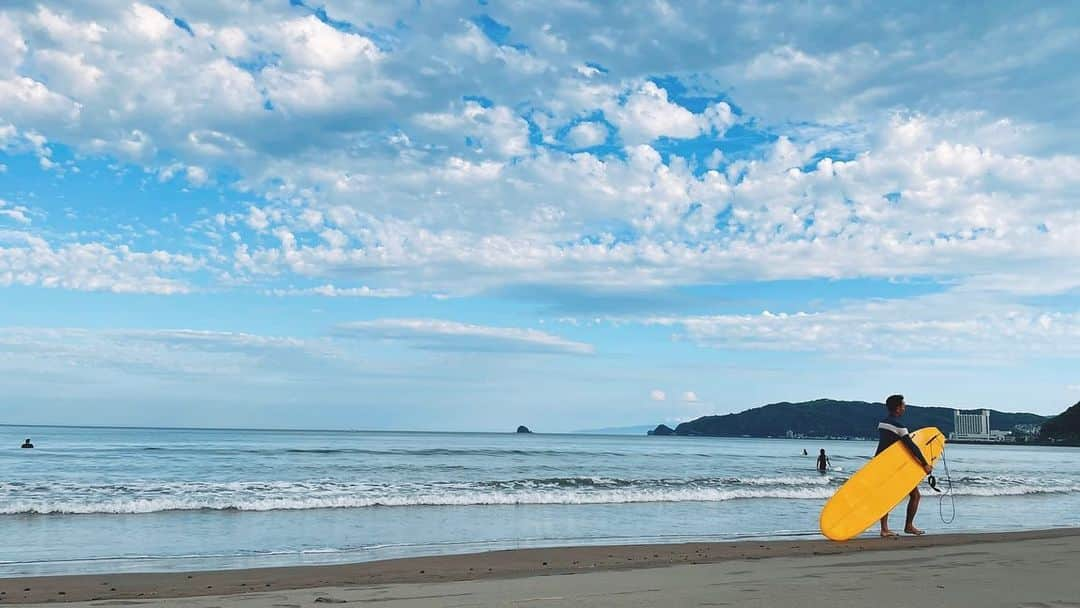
(804, 452)
(891, 430)
(27, 444)
(823, 461)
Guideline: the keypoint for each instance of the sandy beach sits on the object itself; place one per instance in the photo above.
(1035, 568)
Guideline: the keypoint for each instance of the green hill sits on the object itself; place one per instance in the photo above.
(830, 418)
(1064, 427)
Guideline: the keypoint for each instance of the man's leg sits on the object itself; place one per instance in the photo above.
(912, 509)
(885, 531)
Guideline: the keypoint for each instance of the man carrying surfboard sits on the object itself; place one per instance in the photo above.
(891, 430)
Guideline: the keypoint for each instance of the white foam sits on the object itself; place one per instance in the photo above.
(464, 498)
(330, 494)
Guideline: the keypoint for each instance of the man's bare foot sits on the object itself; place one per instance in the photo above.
(888, 534)
(912, 530)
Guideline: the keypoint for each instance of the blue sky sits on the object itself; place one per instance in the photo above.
(470, 216)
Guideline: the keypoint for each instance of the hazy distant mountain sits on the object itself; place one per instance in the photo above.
(830, 418)
(1063, 427)
(618, 430)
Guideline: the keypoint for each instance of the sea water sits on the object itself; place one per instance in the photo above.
(97, 499)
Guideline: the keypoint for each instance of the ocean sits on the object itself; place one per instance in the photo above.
(125, 500)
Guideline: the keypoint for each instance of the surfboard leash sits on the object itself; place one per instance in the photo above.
(948, 493)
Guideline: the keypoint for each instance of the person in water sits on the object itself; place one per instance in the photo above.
(891, 430)
(804, 452)
(823, 461)
(27, 444)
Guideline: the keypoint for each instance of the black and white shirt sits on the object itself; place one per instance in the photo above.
(891, 430)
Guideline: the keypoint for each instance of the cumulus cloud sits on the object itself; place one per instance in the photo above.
(307, 42)
(587, 135)
(657, 395)
(910, 204)
(494, 129)
(16, 213)
(427, 159)
(436, 334)
(690, 397)
(648, 114)
(197, 176)
(26, 259)
(631, 151)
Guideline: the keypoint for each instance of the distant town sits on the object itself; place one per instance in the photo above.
(857, 420)
(968, 428)
(975, 428)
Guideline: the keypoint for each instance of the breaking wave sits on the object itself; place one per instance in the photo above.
(18, 499)
(272, 496)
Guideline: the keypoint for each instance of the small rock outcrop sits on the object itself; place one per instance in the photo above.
(523, 429)
(663, 429)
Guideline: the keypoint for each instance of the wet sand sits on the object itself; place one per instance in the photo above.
(1035, 569)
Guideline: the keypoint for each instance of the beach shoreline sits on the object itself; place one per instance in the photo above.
(494, 565)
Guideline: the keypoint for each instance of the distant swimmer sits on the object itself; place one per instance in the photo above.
(27, 444)
(891, 430)
(804, 452)
(823, 461)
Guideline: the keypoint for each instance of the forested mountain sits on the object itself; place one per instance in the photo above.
(1063, 427)
(831, 418)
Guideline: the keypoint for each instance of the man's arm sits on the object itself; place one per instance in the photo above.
(915, 451)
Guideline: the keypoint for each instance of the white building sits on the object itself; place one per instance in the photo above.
(974, 427)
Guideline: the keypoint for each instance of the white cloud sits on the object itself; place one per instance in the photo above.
(796, 213)
(315, 120)
(257, 218)
(657, 395)
(587, 134)
(197, 176)
(405, 156)
(494, 129)
(311, 44)
(436, 334)
(17, 213)
(12, 45)
(168, 355)
(787, 62)
(26, 259)
(341, 292)
(648, 114)
(690, 397)
(27, 101)
(941, 325)
(148, 22)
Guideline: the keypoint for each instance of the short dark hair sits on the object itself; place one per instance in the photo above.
(893, 402)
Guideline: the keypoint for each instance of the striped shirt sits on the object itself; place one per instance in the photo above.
(891, 430)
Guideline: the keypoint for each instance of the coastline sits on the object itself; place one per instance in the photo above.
(529, 564)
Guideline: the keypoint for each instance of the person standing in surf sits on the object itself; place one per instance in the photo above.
(823, 461)
(891, 430)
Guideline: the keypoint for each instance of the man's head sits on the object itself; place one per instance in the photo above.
(895, 404)
(823, 451)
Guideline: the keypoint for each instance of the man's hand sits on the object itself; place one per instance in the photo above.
(929, 469)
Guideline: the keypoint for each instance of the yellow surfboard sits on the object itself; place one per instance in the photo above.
(879, 486)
